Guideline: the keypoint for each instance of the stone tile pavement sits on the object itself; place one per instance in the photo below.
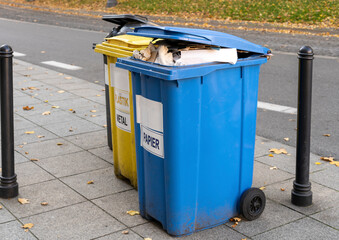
(71, 147)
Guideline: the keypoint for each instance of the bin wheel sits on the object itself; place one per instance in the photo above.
(252, 203)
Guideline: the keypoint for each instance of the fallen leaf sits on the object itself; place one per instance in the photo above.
(33, 88)
(317, 163)
(328, 159)
(41, 136)
(46, 113)
(125, 232)
(244, 239)
(282, 189)
(93, 111)
(34, 159)
(90, 182)
(71, 109)
(235, 219)
(70, 129)
(27, 108)
(262, 188)
(59, 144)
(23, 89)
(96, 81)
(98, 95)
(55, 107)
(335, 163)
(68, 78)
(147, 238)
(270, 155)
(26, 153)
(43, 51)
(291, 120)
(327, 135)
(93, 115)
(46, 101)
(21, 146)
(0, 207)
(61, 91)
(286, 139)
(235, 224)
(29, 132)
(105, 126)
(23, 200)
(28, 226)
(273, 168)
(278, 151)
(60, 74)
(132, 213)
(44, 203)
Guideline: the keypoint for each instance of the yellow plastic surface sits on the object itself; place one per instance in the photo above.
(123, 142)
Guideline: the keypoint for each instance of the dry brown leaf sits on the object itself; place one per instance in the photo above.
(270, 155)
(335, 163)
(70, 129)
(60, 74)
(235, 219)
(21, 146)
(23, 200)
(34, 159)
(27, 108)
(105, 126)
(328, 159)
(98, 95)
(278, 151)
(235, 224)
(68, 78)
(26, 153)
(132, 212)
(46, 113)
(61, 91)
(147, 238)
(44, 203)
(40, 136)
(43, 51)
(282, 189)
(90, 182)
(59, 144)
(273, 168)
(286, 139)
(55, 107)
(93, 115)
(23, 89)
(125, 232)
(317, 163)
(262, 188)
(33, 88)
(29, 132)
(28, 226)
(46, 101)
(0, 207)
(327, 135)
(244, 239)
(93, 111)
(71, 109)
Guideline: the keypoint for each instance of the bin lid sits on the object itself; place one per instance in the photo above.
(199, 36)
(122, 20)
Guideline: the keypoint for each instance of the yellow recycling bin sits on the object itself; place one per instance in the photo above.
(121, 103)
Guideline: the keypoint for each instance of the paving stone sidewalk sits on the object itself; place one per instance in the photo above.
(71, 147)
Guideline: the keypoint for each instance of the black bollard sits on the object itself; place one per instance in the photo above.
(301, 192)
(8, 185)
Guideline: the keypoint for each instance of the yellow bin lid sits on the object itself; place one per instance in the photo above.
(129, 42)
(110, 51)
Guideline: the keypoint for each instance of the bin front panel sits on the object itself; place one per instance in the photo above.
(208, 140)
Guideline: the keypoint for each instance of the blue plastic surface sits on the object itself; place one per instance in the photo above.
(209, 122)
(199, 36)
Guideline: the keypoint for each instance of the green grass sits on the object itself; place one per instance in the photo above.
(293, 11)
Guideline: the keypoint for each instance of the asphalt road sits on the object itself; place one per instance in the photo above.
(68, 39)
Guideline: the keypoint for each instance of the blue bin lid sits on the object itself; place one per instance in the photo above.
(199, 36)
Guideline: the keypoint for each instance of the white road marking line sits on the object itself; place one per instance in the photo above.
(61, 65)
(277, 108)
(296, 54)
(17, 54)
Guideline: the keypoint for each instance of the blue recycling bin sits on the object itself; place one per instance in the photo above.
(195, 133)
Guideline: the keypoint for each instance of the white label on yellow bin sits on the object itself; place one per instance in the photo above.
(119, 78)
(150, 116)
(106, 75)
(121, 100)
(152, 141)
(123, 120)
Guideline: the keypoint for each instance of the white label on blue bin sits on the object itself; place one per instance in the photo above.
(119, 78)
(152, 141)
(106, 75)
(123, 120)
(149, 113)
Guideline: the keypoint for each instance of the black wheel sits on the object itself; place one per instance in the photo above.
(252, 203)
